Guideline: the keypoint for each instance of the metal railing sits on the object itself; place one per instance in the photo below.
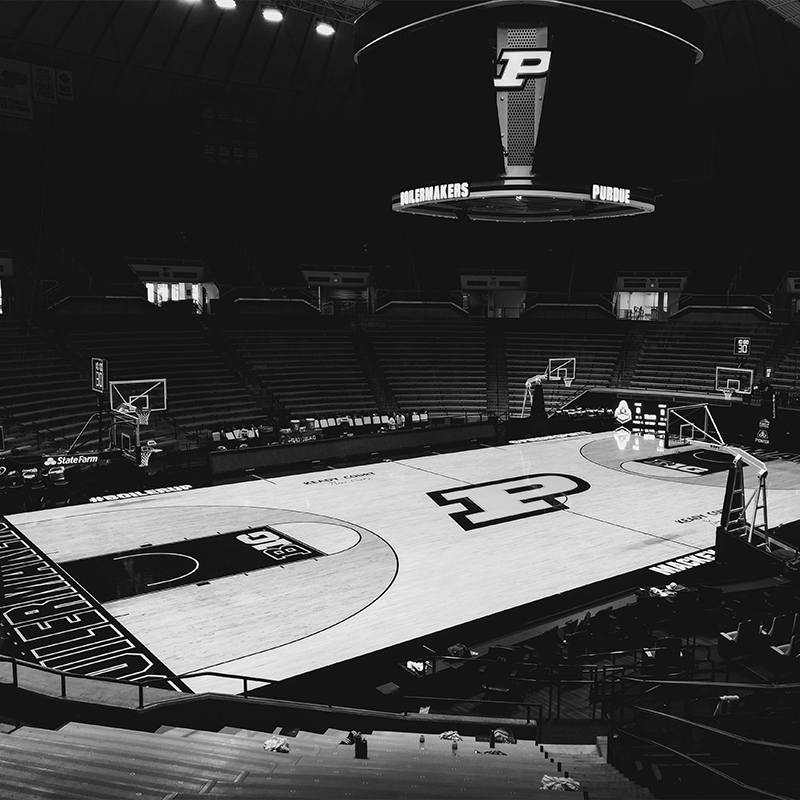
(600, 300)
(651, 743)
(550, 680)
(122, 692)
(387, 296)
(740, 301)
(472, 701)
(94, 288)
(61, 682)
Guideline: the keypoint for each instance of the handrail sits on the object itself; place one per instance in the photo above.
(719, 300)
(531, 664)
(243, 678)
(584, 390)
(140, 685)
(725, 734)
(180, 696)
(85, 426)
(717, 684)
(707, 767)
(634, 651)
(478, 701)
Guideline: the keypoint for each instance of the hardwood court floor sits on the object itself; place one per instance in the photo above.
(409, 547)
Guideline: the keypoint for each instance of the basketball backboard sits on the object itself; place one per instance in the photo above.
(692, 424)
(146, 394)
(561, 369)
(733, 380)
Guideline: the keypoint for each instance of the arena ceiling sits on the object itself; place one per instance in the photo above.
(139, 63)
(148, 52)
(121, 45)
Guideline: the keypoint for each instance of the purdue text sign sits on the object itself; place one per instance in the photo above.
(611, 194)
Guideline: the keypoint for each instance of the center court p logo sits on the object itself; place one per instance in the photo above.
(495, 502)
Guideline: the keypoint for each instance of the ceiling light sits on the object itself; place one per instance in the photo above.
(324, 28)
(226, 3)
(271, 13)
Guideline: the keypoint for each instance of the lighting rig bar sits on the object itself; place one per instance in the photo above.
(330, 9)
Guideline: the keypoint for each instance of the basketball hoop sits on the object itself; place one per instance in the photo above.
(148, 450)
(142, 413)
(567, 382)
(728, 393)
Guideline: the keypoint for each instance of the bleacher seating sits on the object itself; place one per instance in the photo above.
(202, 388)
(787, 371)
(310, 365)
(682, 356)
(44, 400)
(220, 371)
(433, 364)
(529, 345)
(742, 641)
(89, 761)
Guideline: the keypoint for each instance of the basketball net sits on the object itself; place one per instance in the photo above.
(728, 393)
(142, 413)
(146, 451)
(567, 382)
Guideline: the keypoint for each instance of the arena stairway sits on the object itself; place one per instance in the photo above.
(90, 761)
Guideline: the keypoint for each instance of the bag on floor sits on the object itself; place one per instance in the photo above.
(276, 744)
(558, 784)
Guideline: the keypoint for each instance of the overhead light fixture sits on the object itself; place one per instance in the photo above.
(271, 12)
(225, 3)
(324, 28)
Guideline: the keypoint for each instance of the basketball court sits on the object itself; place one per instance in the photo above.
(273, 578)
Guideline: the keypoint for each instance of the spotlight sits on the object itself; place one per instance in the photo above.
(324, 28)
(225, 3)
(271, 13)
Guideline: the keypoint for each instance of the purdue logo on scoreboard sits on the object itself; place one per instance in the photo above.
(495, 502)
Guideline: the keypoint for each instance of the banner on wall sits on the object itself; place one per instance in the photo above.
(44, 84)
(64, 84)
(16, 98)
